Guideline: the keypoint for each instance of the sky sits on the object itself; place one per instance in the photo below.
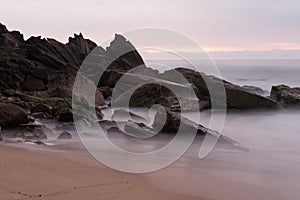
(229, 28)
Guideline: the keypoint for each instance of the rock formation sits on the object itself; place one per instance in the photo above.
(286, 95)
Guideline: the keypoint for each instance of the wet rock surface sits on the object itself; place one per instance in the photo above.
(64, 135)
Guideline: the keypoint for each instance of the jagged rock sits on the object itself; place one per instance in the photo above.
(9, 74)
(123, 55)
(65, 135)
(33, 84)
(286, 95)
(12, 115)
(3, 29)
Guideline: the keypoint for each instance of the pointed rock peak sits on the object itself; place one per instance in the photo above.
(119, 37)
(35, 39)
(3, 28)
(120, 44)
(76, 38)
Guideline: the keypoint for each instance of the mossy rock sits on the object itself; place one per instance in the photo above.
(58, 104)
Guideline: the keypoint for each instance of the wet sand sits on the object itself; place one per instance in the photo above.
(33, 174)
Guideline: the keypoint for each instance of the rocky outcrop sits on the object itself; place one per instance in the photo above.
(171, 121)
(12, 115)
(236, 96)
(50, 67)
(149, 91)
(286, 95)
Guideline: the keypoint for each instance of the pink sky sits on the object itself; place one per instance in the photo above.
(231, 25)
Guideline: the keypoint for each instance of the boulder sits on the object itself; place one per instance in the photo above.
(286, 95)
(27, 131)
(65, 116)
(65, 135)
(57, 104)
(42, 108)
(12, 115)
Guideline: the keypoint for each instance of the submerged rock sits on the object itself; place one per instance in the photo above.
(65, 135)
(171, 121)
(12, 115)
(27, 131)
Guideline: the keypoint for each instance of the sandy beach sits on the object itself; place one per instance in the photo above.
(31, 174)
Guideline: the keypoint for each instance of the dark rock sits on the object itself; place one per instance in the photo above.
(38, 142)
(27, 131)
(58, 104)
(123, 54)
(121, 113)
(99, 113)
(33, 84)
(170, 122)
(12, 115)
(3, 29)
(65, 135)
(236, 96)
(253, 89)
(42, 108)
(7, 75)
(33, 131)
(139, 130)
(41, 115)
(106, 91)
(66, 116)
(286, 95)
(1, 138)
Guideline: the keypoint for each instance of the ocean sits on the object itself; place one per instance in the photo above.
(260, 73)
